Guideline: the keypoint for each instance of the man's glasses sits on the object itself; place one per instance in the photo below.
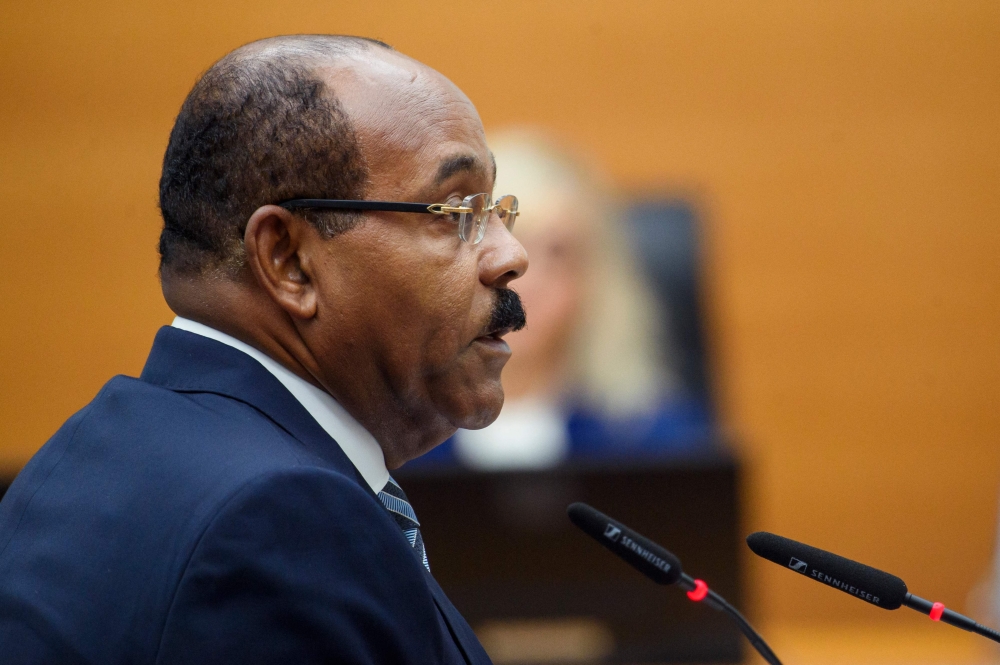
(472, 217)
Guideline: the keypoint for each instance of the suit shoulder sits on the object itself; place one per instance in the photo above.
(191, 425)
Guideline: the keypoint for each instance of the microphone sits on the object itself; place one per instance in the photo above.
(861, 581)
(871, 585)
(659, 565)
(638, 551)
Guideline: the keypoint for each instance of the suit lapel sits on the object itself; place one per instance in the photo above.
(460, 629)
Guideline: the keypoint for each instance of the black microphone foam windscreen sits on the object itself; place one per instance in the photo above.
(869, 584)
(644, 555)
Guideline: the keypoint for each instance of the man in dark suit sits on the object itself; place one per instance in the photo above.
(233, 504)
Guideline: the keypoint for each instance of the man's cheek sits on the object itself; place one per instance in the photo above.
(465, 371)
(452, 328)
(446, 345)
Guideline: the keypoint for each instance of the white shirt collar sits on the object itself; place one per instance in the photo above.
(356, 442)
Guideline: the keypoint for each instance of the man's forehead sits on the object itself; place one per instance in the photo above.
(414, 124)
(381, 88)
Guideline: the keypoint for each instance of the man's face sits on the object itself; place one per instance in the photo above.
(409, 301)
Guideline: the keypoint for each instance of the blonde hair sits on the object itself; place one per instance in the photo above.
(618, 355)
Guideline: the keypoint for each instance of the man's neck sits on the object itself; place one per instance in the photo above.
(229, 306)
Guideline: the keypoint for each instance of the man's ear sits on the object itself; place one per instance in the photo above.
(274, 241)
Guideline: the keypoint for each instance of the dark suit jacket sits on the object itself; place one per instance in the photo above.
(200, 514)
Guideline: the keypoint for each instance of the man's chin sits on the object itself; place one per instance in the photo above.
(470, 395)
(480, 421)
(454, 408)
(478, 412)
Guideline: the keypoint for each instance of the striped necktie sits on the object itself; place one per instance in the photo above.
(394, 499)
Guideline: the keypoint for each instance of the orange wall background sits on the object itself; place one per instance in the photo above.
(846, 156)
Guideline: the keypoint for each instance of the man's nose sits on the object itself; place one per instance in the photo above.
(503, 258)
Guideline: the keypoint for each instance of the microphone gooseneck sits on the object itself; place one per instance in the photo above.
(871, 585)
(938, 612)
(659, 565)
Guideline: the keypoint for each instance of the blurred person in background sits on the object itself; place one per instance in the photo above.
(593, 372)
(983, 601)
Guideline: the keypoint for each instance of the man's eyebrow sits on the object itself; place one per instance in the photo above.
(457, 164)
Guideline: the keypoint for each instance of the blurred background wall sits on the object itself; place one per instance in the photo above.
(845, 157)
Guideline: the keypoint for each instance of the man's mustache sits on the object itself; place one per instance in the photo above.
(508, 313)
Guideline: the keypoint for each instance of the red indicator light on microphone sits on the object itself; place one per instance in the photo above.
(937, 609)
(700, 590)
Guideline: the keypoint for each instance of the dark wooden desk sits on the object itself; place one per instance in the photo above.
(502, 548)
